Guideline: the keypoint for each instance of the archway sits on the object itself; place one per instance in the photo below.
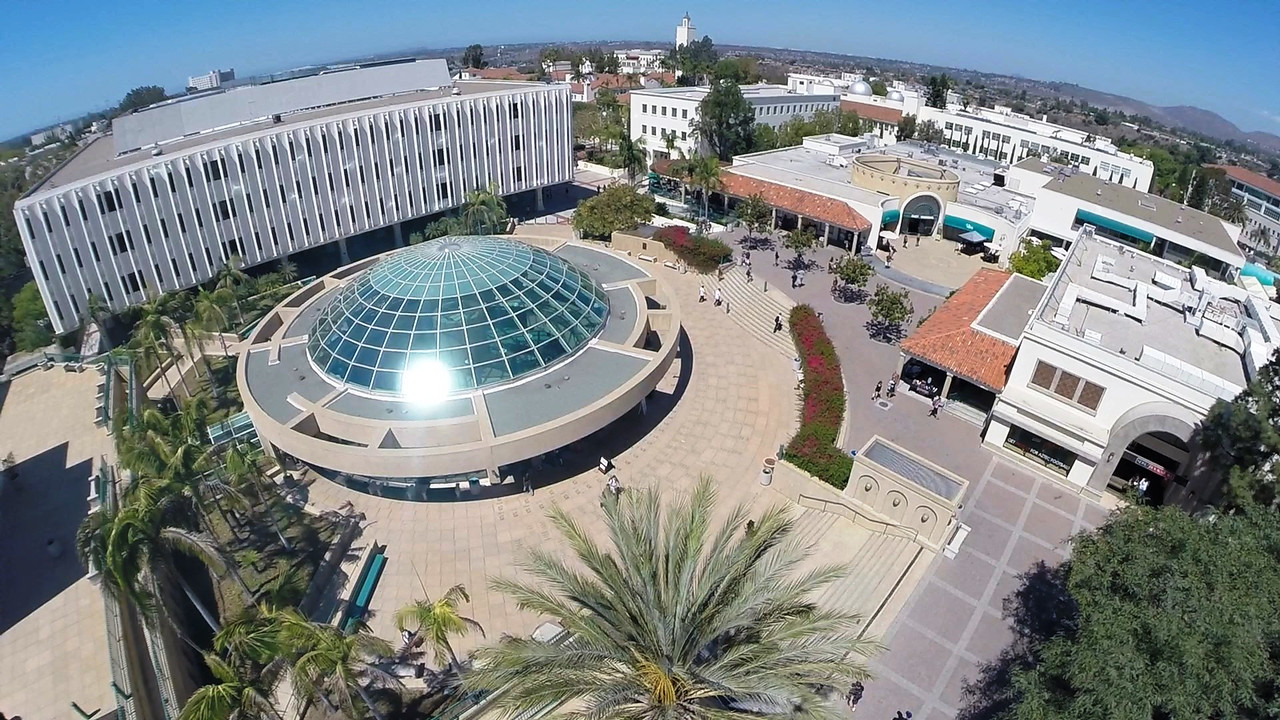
(920, 215)
(1149, 442)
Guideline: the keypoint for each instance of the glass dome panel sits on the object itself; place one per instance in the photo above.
(488, 309)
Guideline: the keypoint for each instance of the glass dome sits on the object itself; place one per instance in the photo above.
(454, 314)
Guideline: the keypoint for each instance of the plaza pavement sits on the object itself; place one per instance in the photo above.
(953, 622)
(53, 647)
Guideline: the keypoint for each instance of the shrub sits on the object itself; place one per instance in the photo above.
(698, 251)
(813, 447)
(617, 207)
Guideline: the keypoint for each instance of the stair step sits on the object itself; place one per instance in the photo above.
(754, 310)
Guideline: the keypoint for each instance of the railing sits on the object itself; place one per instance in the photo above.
(881, 526)
(117, 655)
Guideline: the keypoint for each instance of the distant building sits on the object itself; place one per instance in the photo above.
(52, 134)
(1261, 196)
(631, 62)
(659, 113)
(995, 133)
(210, 80)
(685, 32)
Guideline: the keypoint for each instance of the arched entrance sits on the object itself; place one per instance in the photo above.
(920, 215)
(1149, 448)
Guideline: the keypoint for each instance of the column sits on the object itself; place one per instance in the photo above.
(902, 360)
(342, 251)
(826, 234)
(537, 199)
(946, 386)
(399, 231)
(773, 221)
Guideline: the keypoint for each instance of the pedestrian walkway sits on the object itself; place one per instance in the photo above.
(755, 308)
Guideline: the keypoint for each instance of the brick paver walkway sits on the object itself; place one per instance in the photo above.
(738, 406)
(952, 623)
(53, 647)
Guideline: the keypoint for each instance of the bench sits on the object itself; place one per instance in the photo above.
(957, 540)
(648, 258)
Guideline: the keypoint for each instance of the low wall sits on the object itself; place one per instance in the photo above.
(637, 245)
(596, 168)
(808, 491)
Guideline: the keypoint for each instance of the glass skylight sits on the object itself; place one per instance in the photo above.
(486, 309)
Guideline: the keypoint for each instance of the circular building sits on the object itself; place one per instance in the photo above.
(436, 367)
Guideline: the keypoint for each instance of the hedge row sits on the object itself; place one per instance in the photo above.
(699, 252)
(813, 448)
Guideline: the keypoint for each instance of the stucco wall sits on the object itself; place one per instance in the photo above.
(875, 172)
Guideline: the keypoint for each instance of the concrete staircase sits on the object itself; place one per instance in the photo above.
(754, 309)
(883, 568)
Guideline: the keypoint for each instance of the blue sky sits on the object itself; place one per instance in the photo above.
(60, 59)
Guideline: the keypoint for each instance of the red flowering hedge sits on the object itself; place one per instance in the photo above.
(813, 448)
(698, 251)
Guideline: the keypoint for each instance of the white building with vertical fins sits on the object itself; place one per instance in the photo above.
(267, 170)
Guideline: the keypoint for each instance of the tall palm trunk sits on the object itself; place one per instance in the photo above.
(368, 700)
(191, 596)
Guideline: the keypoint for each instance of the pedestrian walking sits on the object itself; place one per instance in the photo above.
(717, 298)
(751, 528)
(879, 389)
(936, 406)
(776, 257)
(793, 279)
(800, 277)
(702, 293)
(750, 277)
(904, 242)
(917, 241)
(835, 285)
(893, 385)
(854, 696)
(777, 323)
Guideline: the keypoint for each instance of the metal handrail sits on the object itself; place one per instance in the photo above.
(889, 528)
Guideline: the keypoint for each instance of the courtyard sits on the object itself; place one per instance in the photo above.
(53, 629)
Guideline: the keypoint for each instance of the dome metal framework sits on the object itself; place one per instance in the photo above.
(480, 310)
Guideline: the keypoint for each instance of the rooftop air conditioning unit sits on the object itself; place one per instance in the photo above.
(275, 118)
(156, 151)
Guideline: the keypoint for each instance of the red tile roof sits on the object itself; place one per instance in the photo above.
(878, 113)
(1251, 178)
(575, 88)
(799, 202)
(947, 339)
(609, 80)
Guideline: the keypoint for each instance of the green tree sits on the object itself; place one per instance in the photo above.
(337, 667)
(30, 319)
(1101, 117)
(136, 549)
(854, 271)
(473, 56)
(890, 309)
(210, 312)
(632, 156)
(936, 87)
(725, 121)
(1034, 258)
(906, 127)
(756, 214)
(763, 137)
(703, 172)
(850, 123)
(141, 97)
(1166, 616)
(879, 88)
(437, 620)
(153, 334)
(1242, 439)
(288, 270)
(678, 618)
(800, 241)
(617, 207)
(928, 131)
(483, 211)
(235, 694)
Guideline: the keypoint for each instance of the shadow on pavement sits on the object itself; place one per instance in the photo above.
(43, 506)
(1038, 610)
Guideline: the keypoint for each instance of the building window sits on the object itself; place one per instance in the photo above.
(223, 210)
(440, 156)
(684, 135)
(664, 111)
(1034, 447)
(1067, 386)
(644, 107)
(644, 129)
(684, 114)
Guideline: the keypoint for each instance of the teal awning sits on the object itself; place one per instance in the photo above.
(963, 225)
(889, 217)
(1084, 216)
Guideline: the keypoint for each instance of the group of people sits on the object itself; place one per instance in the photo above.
(702, 296)
(893, 388)
(936, 402)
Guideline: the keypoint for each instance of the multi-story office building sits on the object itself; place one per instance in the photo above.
(60, 132)
(263, 171)
(211, 80)
(661, 113)
(995, 133)
(1261, 196)
(639, 62)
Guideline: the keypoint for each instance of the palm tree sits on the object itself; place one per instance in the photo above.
(1233, 211)
(436, 620)
(210, 312)
(241, 465)
(288, 271)
(483, 211)
(136, 550)
(232, 277)
(676, 619)
(153, 336)
(334, 665)
(704, 174)
(632, 156)
(232, 697)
